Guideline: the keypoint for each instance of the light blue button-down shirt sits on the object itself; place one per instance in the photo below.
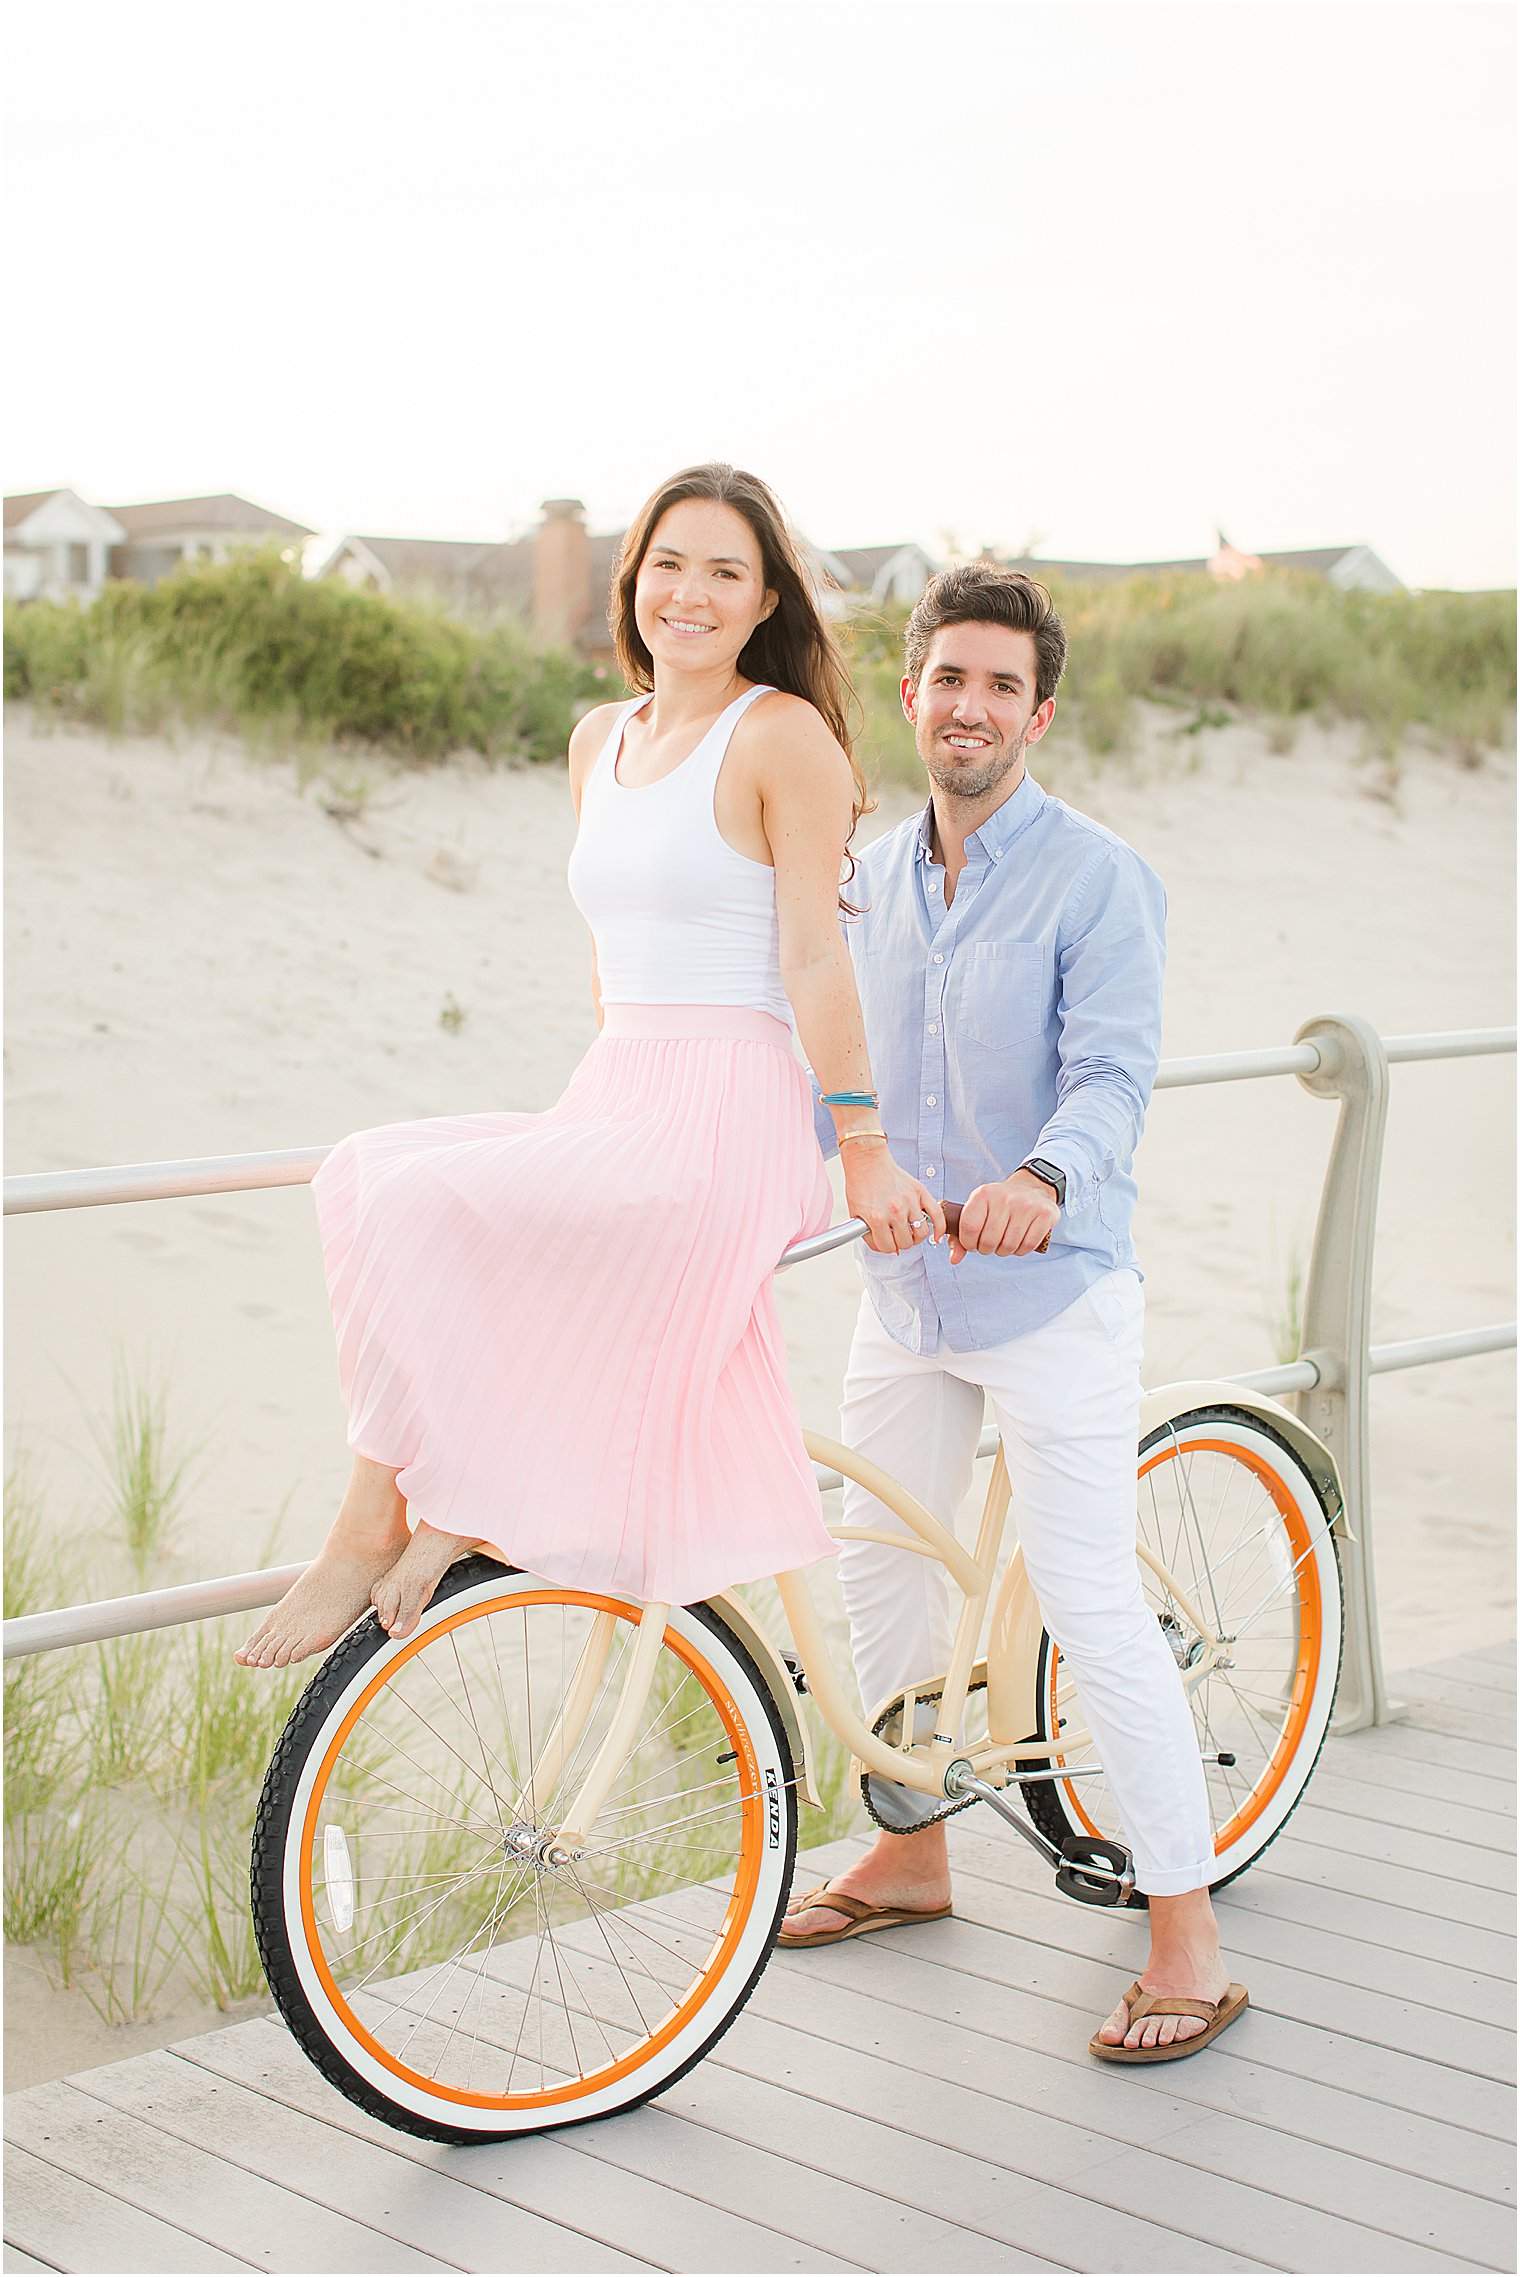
(1024, 1019)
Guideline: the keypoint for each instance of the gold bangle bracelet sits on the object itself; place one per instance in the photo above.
(846, 1136)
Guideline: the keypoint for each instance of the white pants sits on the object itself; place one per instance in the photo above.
(1066, 1402)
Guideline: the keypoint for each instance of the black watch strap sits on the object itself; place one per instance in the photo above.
(1055, 1179)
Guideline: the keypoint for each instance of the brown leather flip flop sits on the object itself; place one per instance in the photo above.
(862, 1917)
(1216, 2014)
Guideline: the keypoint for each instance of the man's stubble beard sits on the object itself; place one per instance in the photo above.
(969, 785)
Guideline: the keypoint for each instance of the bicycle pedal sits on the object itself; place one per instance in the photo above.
(1095, 1873)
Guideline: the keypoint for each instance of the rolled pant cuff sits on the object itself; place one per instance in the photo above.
(1175, 1884)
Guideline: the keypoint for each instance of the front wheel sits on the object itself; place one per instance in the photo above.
(1230, 1514)
(429, 1957)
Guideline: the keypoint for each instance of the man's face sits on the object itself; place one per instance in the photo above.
(974, 712)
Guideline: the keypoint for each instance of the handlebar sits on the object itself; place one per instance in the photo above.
(853, 1229)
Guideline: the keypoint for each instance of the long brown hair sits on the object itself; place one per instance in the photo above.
(793, 649)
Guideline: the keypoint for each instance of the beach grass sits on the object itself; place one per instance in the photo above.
(1281, 648)
(306, 669)
(133, 1768)
(253, 647)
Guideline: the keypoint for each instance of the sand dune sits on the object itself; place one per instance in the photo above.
(203, 959)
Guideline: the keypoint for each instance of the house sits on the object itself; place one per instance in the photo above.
(1346, 566)
(57, 546)
(164, 532)
(884, 575)
(558, 579)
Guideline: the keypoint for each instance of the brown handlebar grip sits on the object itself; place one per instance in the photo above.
(952, 1212)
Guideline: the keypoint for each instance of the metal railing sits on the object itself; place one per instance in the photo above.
(1338, 1056)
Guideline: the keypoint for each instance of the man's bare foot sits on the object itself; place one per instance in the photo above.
(402, 1595)
(368, 1534)
(911, 1870)
(1184, 1964)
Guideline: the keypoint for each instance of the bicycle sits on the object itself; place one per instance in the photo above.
(524, 1867)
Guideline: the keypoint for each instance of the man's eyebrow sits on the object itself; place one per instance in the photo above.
(948, 664)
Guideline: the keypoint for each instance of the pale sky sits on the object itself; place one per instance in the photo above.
(1104, 276)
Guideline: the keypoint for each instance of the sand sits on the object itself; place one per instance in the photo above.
(206, 958)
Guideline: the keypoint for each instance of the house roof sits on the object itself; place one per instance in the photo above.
(25, 503)
(224, 512)
(485, 568)
(865, 563)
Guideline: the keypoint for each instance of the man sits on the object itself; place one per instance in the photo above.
(1009, 957)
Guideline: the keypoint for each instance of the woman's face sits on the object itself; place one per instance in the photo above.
(701, 589)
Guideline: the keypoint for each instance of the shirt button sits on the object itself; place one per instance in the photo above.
(932, 1029)
(931, 1101)
(929, 1173)
(939, 960)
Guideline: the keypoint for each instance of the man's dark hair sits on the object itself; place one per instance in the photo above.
(980, 593)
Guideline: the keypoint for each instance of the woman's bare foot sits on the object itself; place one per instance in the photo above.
(368, 1534)
(402, 1595)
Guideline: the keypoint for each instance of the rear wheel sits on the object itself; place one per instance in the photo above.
(431, 1961)
(1229, 1512)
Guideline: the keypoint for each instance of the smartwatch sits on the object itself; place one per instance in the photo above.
(1053, 1178)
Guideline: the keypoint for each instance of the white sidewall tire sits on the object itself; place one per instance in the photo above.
(446, 2115)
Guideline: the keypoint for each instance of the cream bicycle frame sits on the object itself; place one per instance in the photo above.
(1009, 1613)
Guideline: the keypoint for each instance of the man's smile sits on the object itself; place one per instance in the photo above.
(960, 740)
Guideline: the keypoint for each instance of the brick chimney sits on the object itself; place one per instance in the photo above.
(561, 570)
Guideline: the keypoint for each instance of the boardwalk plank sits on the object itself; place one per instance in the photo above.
(83, 2227)
(1491, 1667)
(1284, 1988)
(1449, 1857)
(1248, 2148)
(1255, 1929)
(804, 2045)
(366, 2182)
(1390, 1803)
(899, 2160)
(1402, 2078)
(1218, 2209)
(1368, 1758)
(1380, 1758)
(1439, 1736)
(858, 2209)
(1044, 2061)
(12, 2257)
(269, 2226)
(1484, 1714)
(550, 2174)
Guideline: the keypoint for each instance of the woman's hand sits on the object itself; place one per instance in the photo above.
(898, 1212)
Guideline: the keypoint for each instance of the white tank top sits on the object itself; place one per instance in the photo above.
(678, 917)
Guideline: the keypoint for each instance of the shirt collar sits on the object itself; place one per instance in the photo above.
(1007, 823)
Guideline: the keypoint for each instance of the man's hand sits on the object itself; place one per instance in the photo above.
(1008, 1219)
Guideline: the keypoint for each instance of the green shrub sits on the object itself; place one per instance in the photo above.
(1281, 646)
(253, 646)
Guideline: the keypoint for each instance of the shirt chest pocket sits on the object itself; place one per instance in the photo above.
(1002, 993)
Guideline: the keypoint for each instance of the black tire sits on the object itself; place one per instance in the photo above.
(329, 2034)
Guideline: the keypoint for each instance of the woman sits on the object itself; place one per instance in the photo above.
(556, 1333)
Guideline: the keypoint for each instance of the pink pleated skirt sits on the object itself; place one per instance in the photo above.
(561, 1329)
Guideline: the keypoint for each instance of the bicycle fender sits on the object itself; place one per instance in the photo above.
(1159, 1407)
(767, 1658)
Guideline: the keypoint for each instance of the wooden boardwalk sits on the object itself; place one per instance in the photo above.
(923, 2100)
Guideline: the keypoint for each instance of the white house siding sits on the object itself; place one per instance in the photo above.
(60, 550)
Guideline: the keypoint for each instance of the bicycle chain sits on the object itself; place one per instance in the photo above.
(947, 1809)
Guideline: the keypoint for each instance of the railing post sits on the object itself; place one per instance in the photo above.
(1336, 1327)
